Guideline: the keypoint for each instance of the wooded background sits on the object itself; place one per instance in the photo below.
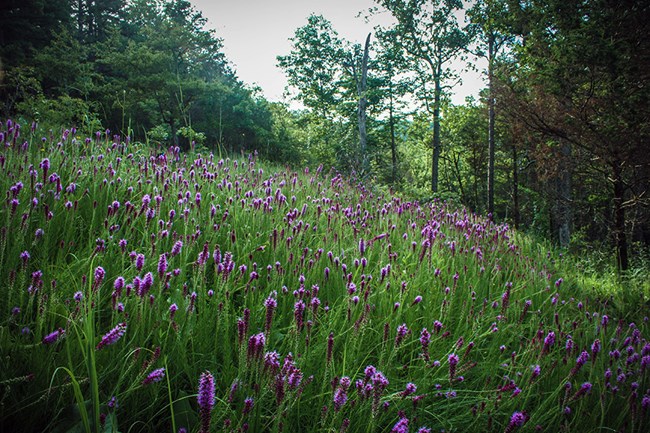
(557, 144)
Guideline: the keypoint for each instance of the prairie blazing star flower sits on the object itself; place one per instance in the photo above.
(205, 399)
(402, 426)
(99, 276)
(162, 266)
(402, 330)
(536, 372)
(176, 249)
(410, 388)
(139, 261)
(548, 341)
(112, 336)
(340, 398)
(585, 388)
(248, 405)
(453, 362)
(517, 419)
(52, 337)
(580, 361)
(155, 376)
(172, 311)
(330, 348)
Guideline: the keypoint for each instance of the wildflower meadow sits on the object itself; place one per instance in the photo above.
(148, 289)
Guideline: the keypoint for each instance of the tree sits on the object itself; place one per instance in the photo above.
(360, 73)
(429, 32)
(581, 80)
(391, 84)
(314, 66)
(488, 17)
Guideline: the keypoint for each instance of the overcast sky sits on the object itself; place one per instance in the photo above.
(254, 32)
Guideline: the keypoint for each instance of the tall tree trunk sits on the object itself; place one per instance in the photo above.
(564, 204)
(436, 127)
(515, 188)
(391, 121)
(620, 240)
(491, 118)
(363, 138)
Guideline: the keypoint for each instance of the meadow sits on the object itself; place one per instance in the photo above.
(150, 290)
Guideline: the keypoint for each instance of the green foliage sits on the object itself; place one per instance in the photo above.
(86, 326)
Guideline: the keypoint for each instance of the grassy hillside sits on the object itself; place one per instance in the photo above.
(151, 290)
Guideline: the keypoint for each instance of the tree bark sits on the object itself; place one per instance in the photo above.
(363, 138)
(620, 239)
(491, 118)
(391, 121)
(436, 128)
(515, 188)
(564, 199)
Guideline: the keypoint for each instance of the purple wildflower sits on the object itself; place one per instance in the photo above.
(155, 376)
(536, 372)
(139, 262)
(205, 399)
(401, 426)
(176, 249)
(270, 304)
(517, 419)
(410, 388)
(402, 330)
(52, 337)
(340, 398)
(248, 405)
(112, 336)
(580, 361)
(585, 388)
(162, 266)
(453, 362)
(548, 341)
(99, 276)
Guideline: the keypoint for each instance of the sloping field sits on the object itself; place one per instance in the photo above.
(153, 290)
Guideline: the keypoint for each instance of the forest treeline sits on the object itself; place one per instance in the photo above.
(557, 144)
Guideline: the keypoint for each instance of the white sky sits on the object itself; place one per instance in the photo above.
(254, 32)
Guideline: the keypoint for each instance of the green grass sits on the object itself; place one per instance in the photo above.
(352, 263)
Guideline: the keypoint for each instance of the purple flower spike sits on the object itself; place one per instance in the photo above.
(52, 337)
(517, 419)
(112, 336)
(549, 341)
(402, 426)
(99, 276)
(155, 376)
(162, 266)
(340, 398)
(206, 399)
(453, 362)
(248, 405)
(585, 388)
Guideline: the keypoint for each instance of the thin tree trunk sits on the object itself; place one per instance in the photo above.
(436, 129)
(565, 212)
(391, 121)
(620, 238)
(515, 188)
(363, 138)
(491, 118)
